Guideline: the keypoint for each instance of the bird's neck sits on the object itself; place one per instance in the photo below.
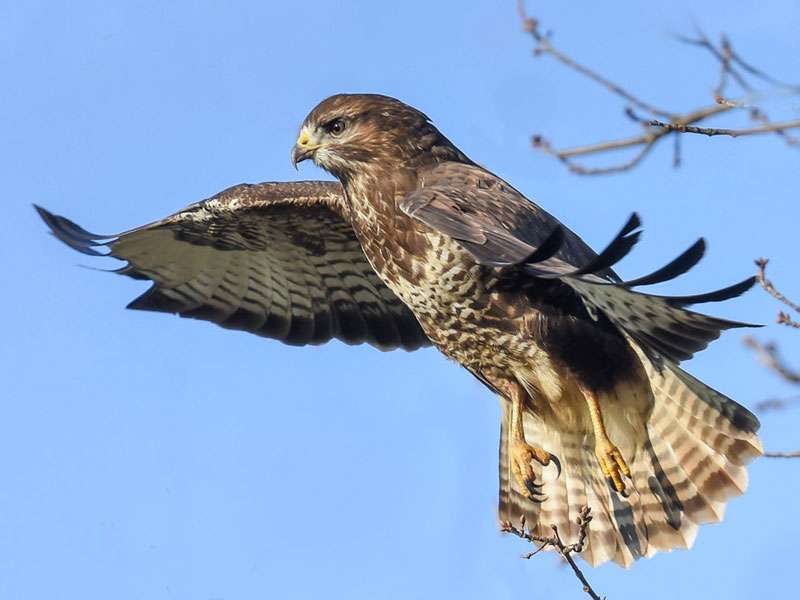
(374, 190)
(373, 194)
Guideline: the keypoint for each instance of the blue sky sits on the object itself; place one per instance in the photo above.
(144, 456)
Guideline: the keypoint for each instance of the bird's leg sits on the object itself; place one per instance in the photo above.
(611, 460)
(521, 452)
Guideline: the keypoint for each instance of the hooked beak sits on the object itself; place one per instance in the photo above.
(303, 148)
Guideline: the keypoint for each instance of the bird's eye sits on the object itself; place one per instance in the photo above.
(336, 127)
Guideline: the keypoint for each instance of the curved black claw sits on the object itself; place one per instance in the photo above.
(557, 462)
(532, 486)
(534, 490)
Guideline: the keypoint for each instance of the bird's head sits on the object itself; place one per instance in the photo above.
(346, 132)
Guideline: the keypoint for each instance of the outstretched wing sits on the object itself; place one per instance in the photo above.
(276, 259)
(501, 228)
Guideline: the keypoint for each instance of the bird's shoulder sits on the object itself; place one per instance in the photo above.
(474, 205)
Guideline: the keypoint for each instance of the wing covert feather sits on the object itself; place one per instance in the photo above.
(500, 228)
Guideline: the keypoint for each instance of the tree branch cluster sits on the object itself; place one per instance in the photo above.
(769, 356)
(554, 541)
(769, 287)
(659, 123)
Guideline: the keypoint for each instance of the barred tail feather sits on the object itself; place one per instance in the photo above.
(686, 464)
(513, 502)
(580, 484)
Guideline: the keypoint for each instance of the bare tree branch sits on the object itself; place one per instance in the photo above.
(565, 156)
(544, 46)
(793, 454)
(555, 541)
(768, 356)
(775, 404)
(724, 68)
(757, 115)
(726, 55)
(732, 67)
(710, 131)
(770, 288)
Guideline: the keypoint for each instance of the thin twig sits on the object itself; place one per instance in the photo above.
(677, 152)
(565, 156)
(756, 114)
(724, 69)
(702, 41)
(544, 46)
(762, 75)
(661, 123)
(645, 142)
(554, 541)
(649, 137)
(768, 356)
(783, 318)
(776, 404)
(793, 454)
(710, 131)
(638, 140)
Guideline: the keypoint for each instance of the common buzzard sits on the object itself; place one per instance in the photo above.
(420, 245)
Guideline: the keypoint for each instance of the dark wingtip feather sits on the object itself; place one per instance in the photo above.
(619, 247)
(674, 268)
(72, 234)
(156, 301)
(131, 271)
(744, 419)
(548, 248)
(69, 227)
(726, 293)
(634, 222)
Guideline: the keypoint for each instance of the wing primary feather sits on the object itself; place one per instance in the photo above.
(68, 227)
(726, 293)
(130, 271)
(663, 347)
(155, 300)
(71, 234)
(616, 250)
(551, 245)
(674, 268)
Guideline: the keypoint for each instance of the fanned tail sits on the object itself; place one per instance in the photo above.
(686, 463)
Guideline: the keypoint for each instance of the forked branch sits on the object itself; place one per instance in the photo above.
(768, 354)
(660, 123)
(769, 287)
(554, 541)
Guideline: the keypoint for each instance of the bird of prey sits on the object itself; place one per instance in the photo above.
(418, 245)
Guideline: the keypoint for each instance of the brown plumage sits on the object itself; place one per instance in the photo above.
(420, 245)
(587, 367)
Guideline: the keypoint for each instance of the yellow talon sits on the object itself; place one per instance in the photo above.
(521, 456)
(612, 464)
(608, 455)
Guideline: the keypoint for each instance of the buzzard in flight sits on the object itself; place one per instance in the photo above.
(419, 245)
